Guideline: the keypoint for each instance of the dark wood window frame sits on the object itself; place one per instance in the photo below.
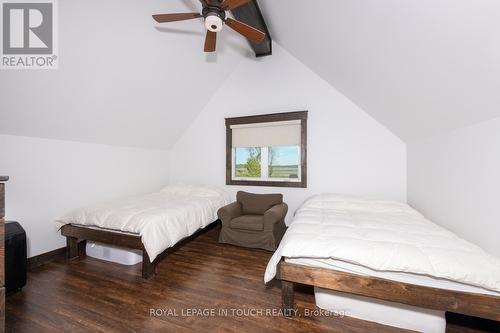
(266, 118)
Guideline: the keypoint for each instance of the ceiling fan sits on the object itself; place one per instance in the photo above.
(214, 14)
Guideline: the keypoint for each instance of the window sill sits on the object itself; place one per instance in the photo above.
(300, 184)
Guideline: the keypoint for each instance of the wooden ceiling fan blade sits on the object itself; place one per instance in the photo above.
(163, 18)
(233, 4)
(210, 41)
(249, 32)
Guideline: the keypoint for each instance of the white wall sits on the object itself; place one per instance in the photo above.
(124, 81)
(454, 179)
(50, 177)
(348, 151)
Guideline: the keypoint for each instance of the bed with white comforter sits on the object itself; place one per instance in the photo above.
(389, 240)
(384, 236)
(161, 219)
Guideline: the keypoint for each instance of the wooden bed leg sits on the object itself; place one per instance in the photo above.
(287, 298)
(148, 267)
(71, 248)
(82, 248)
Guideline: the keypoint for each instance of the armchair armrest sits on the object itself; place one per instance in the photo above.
(229, 212)
(275, 214)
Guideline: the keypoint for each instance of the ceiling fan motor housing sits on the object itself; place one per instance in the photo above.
(214, 18)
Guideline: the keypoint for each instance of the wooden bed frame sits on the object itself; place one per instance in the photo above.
(478, 305)
(76, 237)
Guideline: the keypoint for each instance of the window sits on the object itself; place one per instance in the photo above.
(278, 163)
(247, 162)
(284, 162)
(267, 150)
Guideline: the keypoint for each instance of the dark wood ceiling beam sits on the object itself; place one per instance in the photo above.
(250, 14)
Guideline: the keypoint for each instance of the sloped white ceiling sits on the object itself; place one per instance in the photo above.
(122, 78)
(418, 66)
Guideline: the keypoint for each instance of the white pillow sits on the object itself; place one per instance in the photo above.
(355, 203)
(193, 190)
(176, 189)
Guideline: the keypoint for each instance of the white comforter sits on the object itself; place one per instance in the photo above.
(384, 236)
(162, 219)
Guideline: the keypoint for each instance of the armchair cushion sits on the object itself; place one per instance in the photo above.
(255, 204)
(248, 222)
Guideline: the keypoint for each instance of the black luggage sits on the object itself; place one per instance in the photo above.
(15, 257)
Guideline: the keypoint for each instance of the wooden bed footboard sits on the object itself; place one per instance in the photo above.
(76, 236)
(478, 305)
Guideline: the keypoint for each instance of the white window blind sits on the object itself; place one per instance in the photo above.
(278, 133)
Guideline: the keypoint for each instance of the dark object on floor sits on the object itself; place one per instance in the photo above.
(15, 257)
(254, 220)
(473, 322)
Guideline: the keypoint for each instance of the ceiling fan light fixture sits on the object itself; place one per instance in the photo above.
(214, 14)
(213, 23)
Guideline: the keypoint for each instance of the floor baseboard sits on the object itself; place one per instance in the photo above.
(46, 257)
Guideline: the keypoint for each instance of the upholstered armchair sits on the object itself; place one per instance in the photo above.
(254, 220)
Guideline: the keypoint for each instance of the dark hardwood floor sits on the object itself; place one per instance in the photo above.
(89, 295)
